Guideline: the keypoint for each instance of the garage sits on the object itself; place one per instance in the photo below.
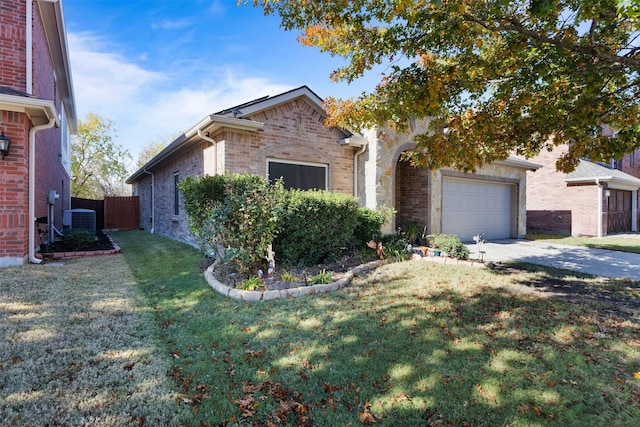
(470, 207)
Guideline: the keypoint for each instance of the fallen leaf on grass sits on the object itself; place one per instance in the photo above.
(402, 398)
(637, 375)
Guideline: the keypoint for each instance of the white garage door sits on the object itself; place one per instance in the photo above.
(470, 207)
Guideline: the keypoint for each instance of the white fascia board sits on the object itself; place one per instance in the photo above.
(39, 111)
(518, 163)
(355, 141)
(214, 122)
(615, 183)
(53, 23)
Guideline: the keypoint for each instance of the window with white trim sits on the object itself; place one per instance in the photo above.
(299, 175)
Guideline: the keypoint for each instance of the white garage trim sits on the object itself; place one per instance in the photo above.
(472, 206)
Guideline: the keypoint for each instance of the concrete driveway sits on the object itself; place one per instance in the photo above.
(585, 260)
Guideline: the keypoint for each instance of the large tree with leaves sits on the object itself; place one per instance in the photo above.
(501, 76)
(98, 164)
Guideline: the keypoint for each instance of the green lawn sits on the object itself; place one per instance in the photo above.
(615, 243)
(413, 343)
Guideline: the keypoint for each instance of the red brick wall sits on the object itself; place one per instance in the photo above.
(14, 187)
(12, 44)
(412, 195)
(631, 164)
(50, 174)
(551, 202)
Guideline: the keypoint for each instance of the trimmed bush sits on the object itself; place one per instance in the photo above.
(315, 226)
(368, 228)
(450, 244)
(79, 239)
(199, 195)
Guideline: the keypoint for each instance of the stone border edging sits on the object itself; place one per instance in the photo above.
(254, 296)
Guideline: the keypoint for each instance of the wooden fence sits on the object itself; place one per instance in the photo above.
(112, 213)
(94, 205)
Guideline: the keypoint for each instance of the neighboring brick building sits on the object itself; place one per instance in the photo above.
(593, 200)
(37, 114)
(284, 135)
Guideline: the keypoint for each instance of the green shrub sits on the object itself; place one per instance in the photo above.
(199, 195)
(369, 223)
(395, 245)
(79, 239)
(315, 226)
(235, 211)
(450, 244)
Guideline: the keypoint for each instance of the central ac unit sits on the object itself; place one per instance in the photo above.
(79, 218)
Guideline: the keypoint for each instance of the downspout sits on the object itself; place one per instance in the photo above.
(29, 48)
(215, 150)
(32, 186)
(355, 169)
(153, 200)
(599, 207)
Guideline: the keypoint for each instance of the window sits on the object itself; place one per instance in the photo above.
(300, 175)
(176, 194)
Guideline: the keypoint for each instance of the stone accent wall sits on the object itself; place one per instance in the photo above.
(379, 168)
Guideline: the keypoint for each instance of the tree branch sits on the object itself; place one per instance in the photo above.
(513, 25)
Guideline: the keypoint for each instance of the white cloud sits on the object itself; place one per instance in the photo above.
(172, 24)
(147, 105)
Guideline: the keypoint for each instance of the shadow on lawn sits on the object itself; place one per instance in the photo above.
(614, 296)
(75, 351)
(410, 344)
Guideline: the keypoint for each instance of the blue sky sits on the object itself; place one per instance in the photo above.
(156, 67)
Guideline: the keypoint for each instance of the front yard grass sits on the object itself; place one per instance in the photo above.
(614, 243)
(413, 343)
(78, 348)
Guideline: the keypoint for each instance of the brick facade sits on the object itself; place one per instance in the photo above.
(51, 174)
(555, 206)
(412, 195)
(292, 131)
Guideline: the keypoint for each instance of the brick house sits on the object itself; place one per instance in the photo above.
(594, 200)
(284, 136)
(37, 115)
(489, 201)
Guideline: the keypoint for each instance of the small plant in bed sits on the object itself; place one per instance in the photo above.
(251, 284)
(79, 239)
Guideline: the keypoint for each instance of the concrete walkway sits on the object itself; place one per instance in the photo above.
(600, 262)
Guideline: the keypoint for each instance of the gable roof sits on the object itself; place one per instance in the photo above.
(266, 102)
(592, 173)
(235, 118)
(200, 131)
